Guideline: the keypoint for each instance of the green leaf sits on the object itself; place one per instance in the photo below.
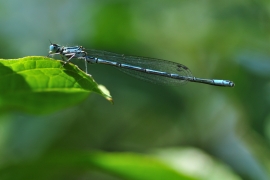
(122, 165)
(41, 85)
(135, 166)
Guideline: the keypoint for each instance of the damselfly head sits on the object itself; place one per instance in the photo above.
(54, 48)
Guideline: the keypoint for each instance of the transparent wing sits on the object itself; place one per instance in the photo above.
(144, 62)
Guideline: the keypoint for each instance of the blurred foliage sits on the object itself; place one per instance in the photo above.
(224, 131)
(125, 165)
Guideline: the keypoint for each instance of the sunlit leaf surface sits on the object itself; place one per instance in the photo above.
(40, 84)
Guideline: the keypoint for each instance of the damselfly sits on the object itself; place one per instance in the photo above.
(150, 69)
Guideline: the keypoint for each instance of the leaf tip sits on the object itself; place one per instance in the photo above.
(106, 93)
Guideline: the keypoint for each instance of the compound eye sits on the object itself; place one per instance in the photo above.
(53, 48)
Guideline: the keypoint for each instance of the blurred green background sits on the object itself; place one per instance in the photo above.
(204, 131)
